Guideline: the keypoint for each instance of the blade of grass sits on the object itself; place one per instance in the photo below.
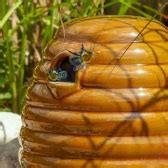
(150, 9)
(136, 9)
(110, 4)
(124, 8)
(9, 13)
(51, 22)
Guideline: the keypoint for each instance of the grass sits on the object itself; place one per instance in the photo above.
(26, 27)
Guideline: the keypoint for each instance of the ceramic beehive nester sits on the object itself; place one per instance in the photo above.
(99, 98)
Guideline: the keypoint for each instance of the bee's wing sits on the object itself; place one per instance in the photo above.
(75, 60)
(78, 67)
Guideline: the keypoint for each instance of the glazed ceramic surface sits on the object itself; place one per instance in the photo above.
(99, 98)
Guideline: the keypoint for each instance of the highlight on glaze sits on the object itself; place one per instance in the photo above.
(91, 106)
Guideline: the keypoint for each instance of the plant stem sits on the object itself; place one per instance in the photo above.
(102, 7)
(22, 55)
(22, 65)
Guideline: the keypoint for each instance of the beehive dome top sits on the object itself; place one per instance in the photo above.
(110, 37)
(109, 29)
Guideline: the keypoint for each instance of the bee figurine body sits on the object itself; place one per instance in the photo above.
(78, 60)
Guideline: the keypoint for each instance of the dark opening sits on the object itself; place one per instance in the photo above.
(65, 65)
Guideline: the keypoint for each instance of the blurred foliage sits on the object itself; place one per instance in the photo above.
(26, 26)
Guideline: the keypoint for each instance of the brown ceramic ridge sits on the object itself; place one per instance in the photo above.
(114, 111)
